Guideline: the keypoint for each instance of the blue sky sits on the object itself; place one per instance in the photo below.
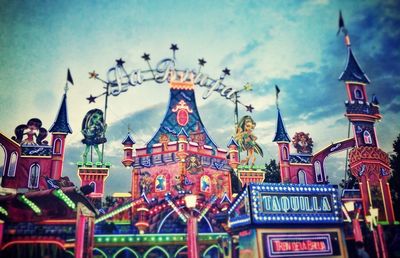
(289, 43)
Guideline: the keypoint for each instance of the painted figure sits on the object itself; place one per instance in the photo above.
(177, 183)
(93, 129)
(145, 182)
(247, 140)
(303, 143)
(33, 131)
(193, 165)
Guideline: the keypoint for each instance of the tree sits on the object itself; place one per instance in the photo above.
(272, 172)
(394, 181)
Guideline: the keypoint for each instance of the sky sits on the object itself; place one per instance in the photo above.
(289, 43)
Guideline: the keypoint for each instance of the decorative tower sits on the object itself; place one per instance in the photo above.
(59, 131)
(283, 140)
(128, 143)
(182, 152)
(368, 163)
(233, 153)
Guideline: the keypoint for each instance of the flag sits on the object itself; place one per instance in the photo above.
(69, 77)
(277, 91)
(341, 24)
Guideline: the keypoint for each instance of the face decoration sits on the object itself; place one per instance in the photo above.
(303, 143)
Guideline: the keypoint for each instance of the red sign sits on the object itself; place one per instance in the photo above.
(300, 245)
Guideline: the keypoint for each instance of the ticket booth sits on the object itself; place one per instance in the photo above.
(288, 220)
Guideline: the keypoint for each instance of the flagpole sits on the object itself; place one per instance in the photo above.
(105, 119)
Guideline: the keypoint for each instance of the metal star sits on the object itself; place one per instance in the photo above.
(248, 87)
(249, 108)
(202, 62)
(120, 62)
(226, 71)
(91, 99)
(146, 57)
(93, 75)
(174, 47)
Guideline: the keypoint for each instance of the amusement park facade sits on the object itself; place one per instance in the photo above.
(234, 213)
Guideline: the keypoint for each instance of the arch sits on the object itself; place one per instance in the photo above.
(160, 184)
(3, 160)
(318, 172)
(155, 248)
(179, 208)
(179, 250)
(100, 251)
(57, 242)
(12, 167)
(128, 249)
(205, 184)
(210, 248)
(93, 185)
(285, 153)
(71, 253)
(301, 175)
(34, 174)
(57, 146)
(358, 93)
(367, 137)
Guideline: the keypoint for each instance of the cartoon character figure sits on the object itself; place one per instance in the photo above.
(93, 129)
(145, 182)
(220, 187)
(193, 165)
(303, 143)
(177, 183)
(247, 140)
(34, 132)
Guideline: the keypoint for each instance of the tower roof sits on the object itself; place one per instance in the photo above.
(353, 71)
(280, 133)
(61, 124)
(128, 139)
(232, 142)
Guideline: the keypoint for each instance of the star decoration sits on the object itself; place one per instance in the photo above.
(202, 62)
(91, 99)
(120, 62)
(249, 108)
(248, 87)
(146, 57)
(93, 75)
(226, 71)
(174, 47)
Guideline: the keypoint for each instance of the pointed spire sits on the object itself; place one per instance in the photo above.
(280, 134)
(353, 71)
(128, 140)
(232, 142)
(375, 100)
(61, 124)
(183, 132)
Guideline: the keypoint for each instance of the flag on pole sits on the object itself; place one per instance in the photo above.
(69, 77)
(277, 90)
(341, 23)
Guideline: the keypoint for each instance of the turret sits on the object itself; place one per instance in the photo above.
(128, 143)
(233, 153)
(283, 140)
(368, 163)
(59, 131)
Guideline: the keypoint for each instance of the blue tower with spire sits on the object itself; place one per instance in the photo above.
(59, 130)
(283, 140)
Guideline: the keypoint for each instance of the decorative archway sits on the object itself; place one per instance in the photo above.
(210, 251)
(148, 252)
(123, 249)
(99, 251)
(181, 207)
(180, 250)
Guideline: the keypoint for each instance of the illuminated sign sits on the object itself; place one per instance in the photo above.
(301, 245)
(285, 203)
